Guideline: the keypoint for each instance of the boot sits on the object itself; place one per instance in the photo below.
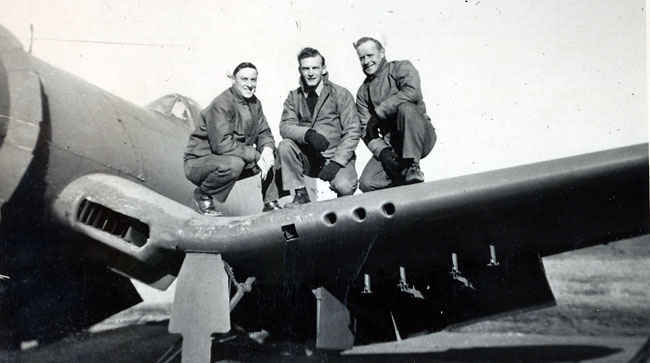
(413, 174)
(300, 197)
(205, 205)
(271, 206)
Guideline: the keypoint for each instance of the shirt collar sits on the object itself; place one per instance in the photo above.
(318, 89)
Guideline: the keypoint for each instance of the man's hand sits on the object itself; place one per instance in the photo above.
(380, 111)
(266, 161)
(255, 153)
(328, 172)
(372, 129)
(317, 141)
(390, 162)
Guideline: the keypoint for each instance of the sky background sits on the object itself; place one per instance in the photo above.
(505, 82)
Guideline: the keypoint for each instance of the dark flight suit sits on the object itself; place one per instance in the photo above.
(393, 95)
(335, 118)
(226, 144)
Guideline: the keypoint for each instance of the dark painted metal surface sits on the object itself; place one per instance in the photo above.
(524, 212)
(547, 207)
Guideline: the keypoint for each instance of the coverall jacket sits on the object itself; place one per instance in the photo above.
(393, 95)
(335, 118)
(226, 143)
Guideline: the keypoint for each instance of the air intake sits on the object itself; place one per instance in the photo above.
(105, 219)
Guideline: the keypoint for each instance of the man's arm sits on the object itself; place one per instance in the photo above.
(369, 130)
(264, 135)
(221, 134)
(408, 83)
(289, 124)
(351, 128)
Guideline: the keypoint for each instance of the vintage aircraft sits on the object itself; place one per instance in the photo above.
(93, 185)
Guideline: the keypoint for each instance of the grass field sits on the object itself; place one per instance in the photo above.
(602, 290)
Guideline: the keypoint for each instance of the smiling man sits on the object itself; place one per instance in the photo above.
(393, 116)
(321, 130)
(232, 140)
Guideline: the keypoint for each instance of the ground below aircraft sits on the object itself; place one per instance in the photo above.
(92, 185)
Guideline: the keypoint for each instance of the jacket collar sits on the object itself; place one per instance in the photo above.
(383, 67)
(319, 89)
(241, 99)
(323, 95)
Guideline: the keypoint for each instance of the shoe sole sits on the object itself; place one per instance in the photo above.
(413, 181)
(207, 213)
(293, 205)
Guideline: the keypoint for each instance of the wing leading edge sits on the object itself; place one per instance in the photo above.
(523, 212)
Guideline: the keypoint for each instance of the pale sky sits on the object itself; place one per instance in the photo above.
(505, 82)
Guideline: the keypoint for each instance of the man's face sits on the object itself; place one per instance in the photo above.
(311, 70)
(245, 82)
(370, 57)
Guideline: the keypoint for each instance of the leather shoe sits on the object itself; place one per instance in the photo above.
(271, 206)
(205, 205)
(413, 174)
(301, 197)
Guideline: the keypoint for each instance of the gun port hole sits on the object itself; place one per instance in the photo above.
(388, 209)
(359, 214)
(330, 218)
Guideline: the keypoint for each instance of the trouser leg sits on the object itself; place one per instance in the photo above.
(294, 164)
(215, 175)
(345, 182)
(416, 136)
(374, 177)
(272, 187)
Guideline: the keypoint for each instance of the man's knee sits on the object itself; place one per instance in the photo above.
(367, 184)
(213, 167)
(409, 116)
(364, 186)
(189, 172)
(287, 147)
(344, 186)
(408, 109)
(230, 166)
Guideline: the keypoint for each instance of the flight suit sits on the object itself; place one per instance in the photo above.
(226, 144)
(393, 95)
(335, 118)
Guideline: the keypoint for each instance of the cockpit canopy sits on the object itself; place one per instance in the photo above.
(178, 107)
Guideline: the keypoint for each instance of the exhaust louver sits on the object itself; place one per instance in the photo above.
(98, 216)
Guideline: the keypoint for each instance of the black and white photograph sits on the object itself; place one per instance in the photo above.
(308, 181)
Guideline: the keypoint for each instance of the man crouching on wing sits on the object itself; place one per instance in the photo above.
(231, 141)
(321, 130)
(393, 116)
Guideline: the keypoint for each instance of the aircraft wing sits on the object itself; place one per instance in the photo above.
(470, 246)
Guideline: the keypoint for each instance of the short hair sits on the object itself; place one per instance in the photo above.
(308, 52)
(362, 40)
(243, 65)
